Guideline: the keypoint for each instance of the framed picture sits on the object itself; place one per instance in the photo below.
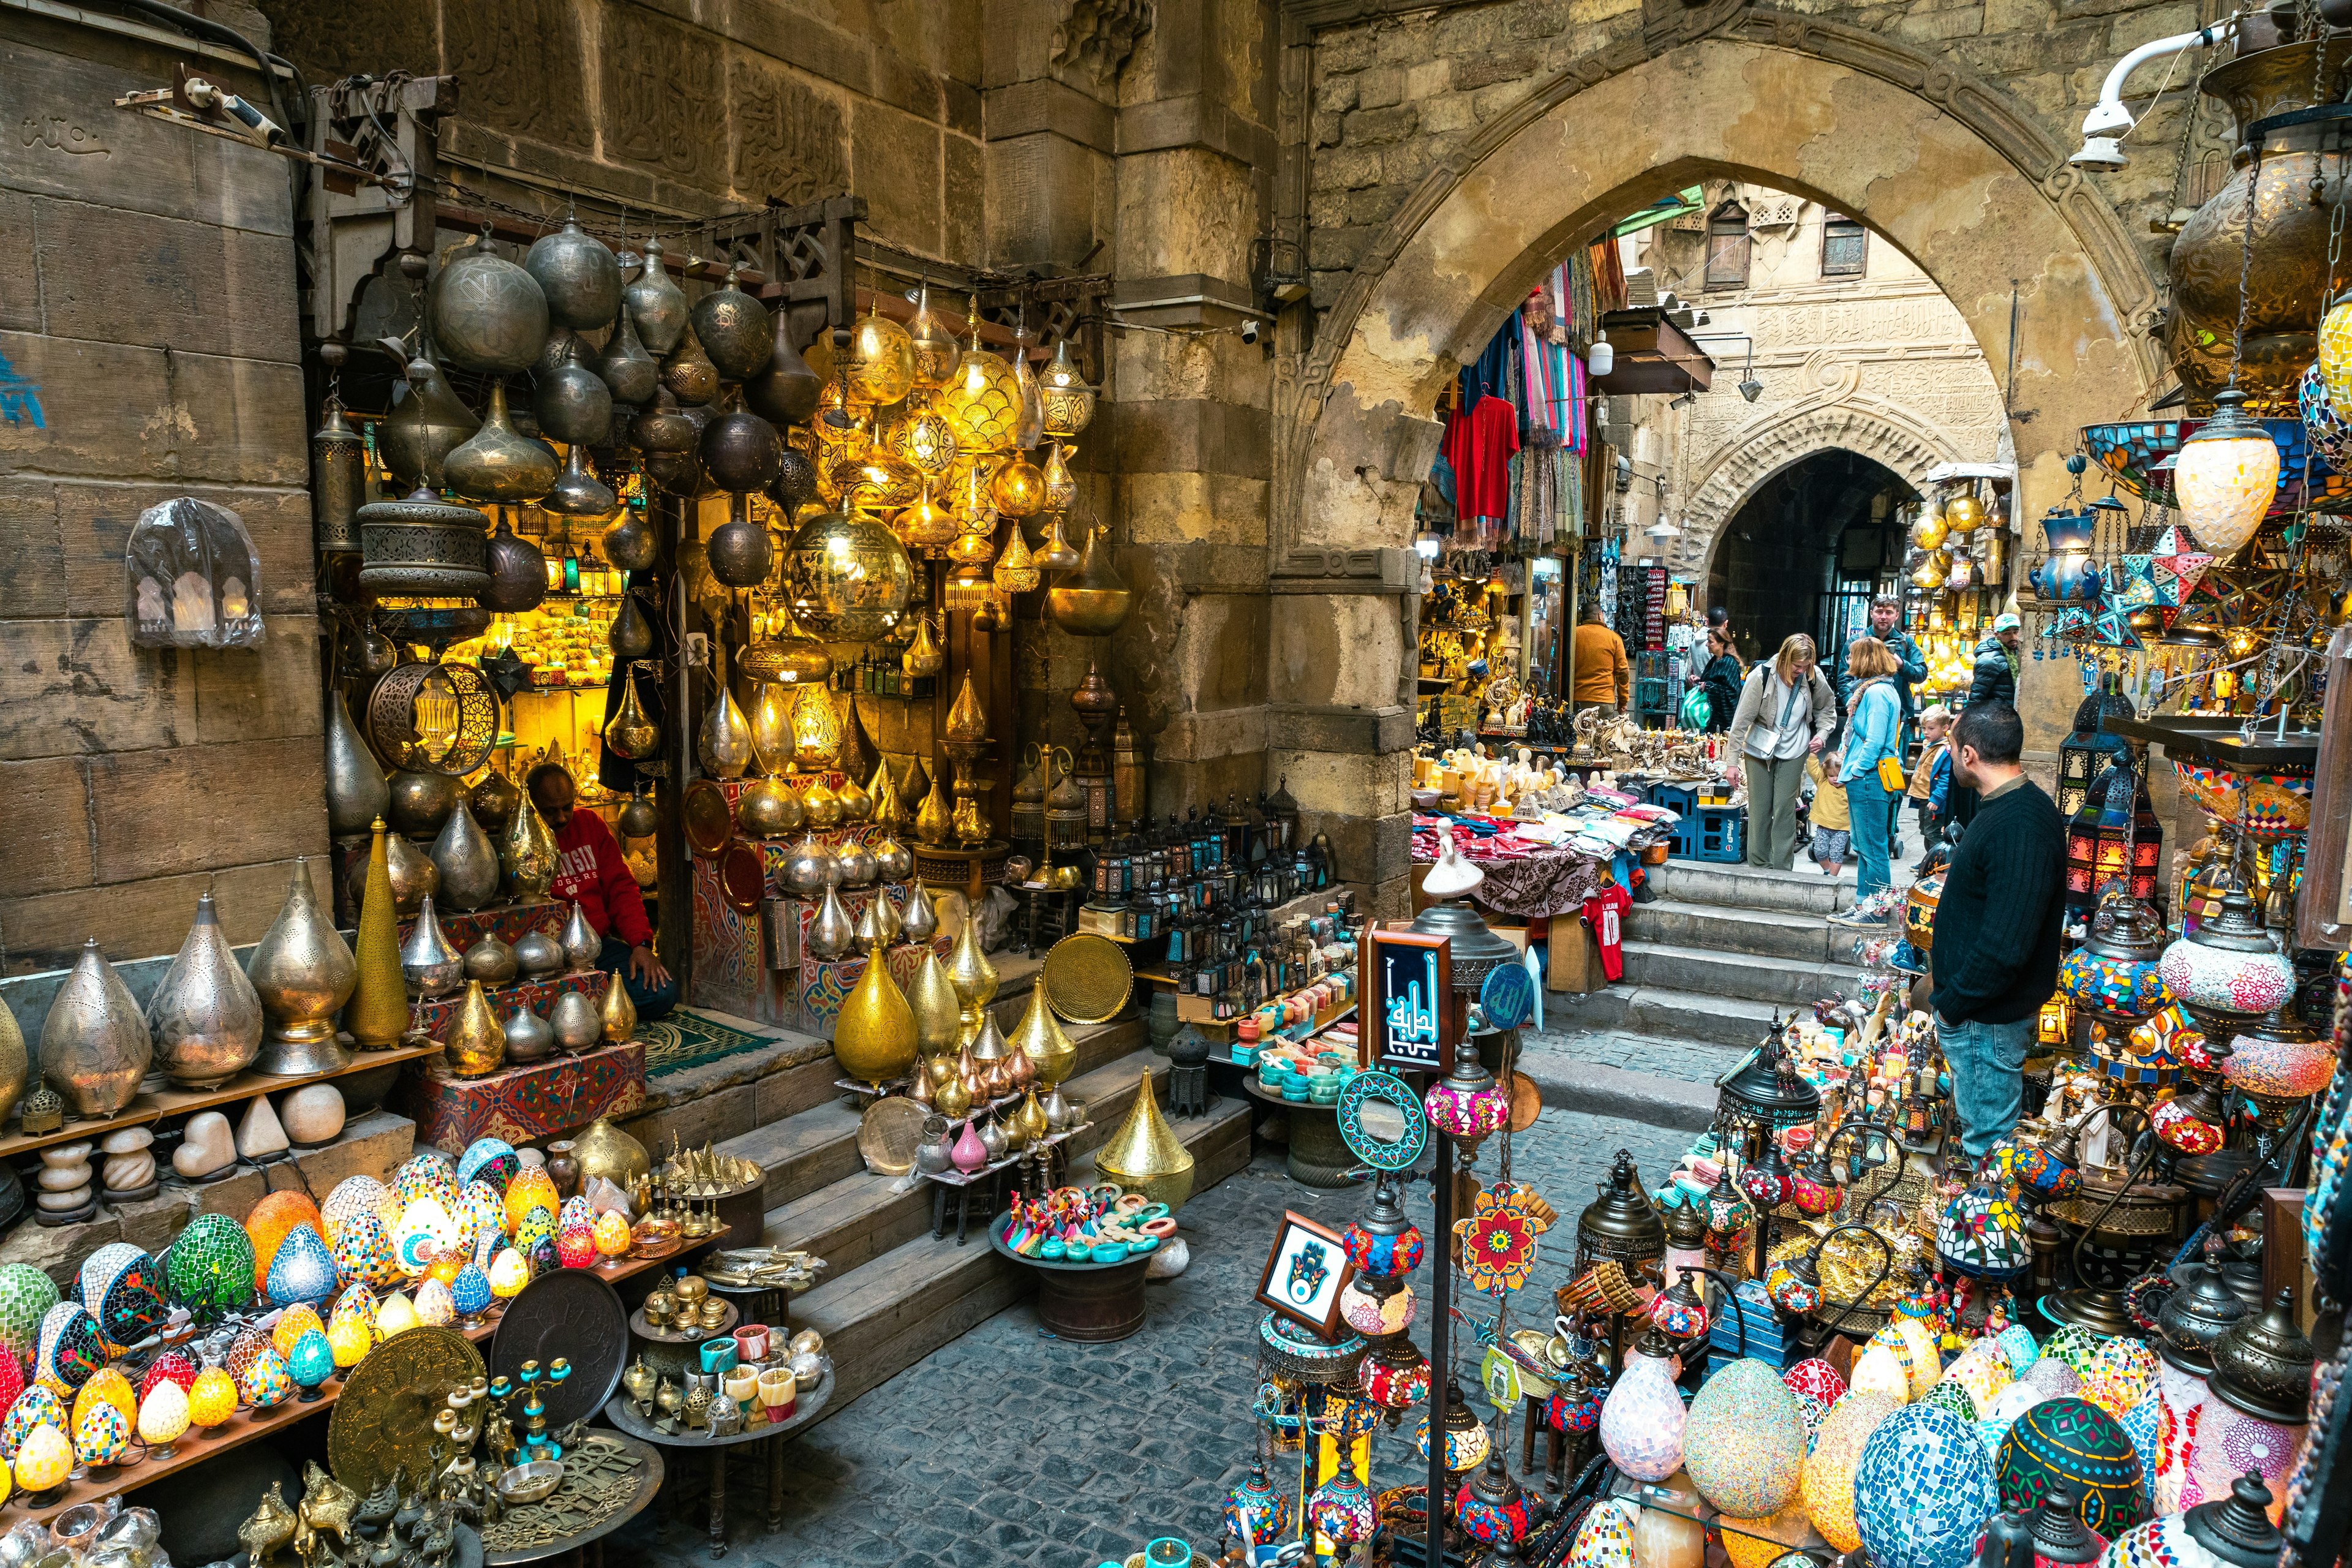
(1305, 1273)
(1405, 1016)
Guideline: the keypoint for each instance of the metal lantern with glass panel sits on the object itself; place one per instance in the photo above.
(1761, 1099)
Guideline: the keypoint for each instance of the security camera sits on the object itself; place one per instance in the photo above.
(1249, 331)
(2100, 152)
(1751, 389)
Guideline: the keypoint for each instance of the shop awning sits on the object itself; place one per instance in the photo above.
(1654, 355)
(1660, 212)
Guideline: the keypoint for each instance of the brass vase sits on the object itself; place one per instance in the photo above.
(573, 1018)
(205, 1017)
(939, 1010)
(474, 1044)
(305, 973)
(15, 1063)
(94, 1044)
(874, 1038)
(920, 917)
(603, 1150)
(378, 1015)
(1145, 1155)
(1039, 1038)
(466, 859)
(616, 1015)
(527, 859)
(356, 791)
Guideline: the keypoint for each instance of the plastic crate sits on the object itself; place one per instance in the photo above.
(1680, 799)
(1711, 833)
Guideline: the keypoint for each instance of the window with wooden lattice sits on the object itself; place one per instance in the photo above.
(1727, 247)
(1845, 247)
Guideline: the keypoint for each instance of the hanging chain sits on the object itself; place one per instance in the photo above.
(2245, 267)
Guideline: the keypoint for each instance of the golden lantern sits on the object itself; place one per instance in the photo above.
(1928, 532)
(1040, 1038)
(884, 791)
(935, 818)
(816, 727)
(1930, 575)
(939, 1010)
(839, 436)
(1145, 1155)
(968, 587)
(819, 805)
(992, 614)
(982, 398)
(1964, 513)
(788, 655)
(923, 656)
(878, 478)
(1069, 402)
(880, 366)
(925, 525)
(1056, 554)
(925, 439)
(934, 348)
(874, 1036)
(1015, 573)
(1061, 489)
(1018, 488)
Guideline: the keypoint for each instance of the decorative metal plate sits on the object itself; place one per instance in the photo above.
(1086, 978)
(709, 820)
(1507, 996)
(382, 1420)
(573, 1314)
(1526, 1101)
(1382, 1122)
(887, 1134)
(743, 875)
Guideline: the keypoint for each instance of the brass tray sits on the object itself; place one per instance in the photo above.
(709, 820)
(743, 875)
(1086, 978)
(888, 1133)
(383, 1419)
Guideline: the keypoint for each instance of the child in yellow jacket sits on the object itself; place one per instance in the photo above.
(1832, 823)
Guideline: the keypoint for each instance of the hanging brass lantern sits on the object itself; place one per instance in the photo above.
(925, 439)
(982, 398)
(1065, 805)
(1018, 488)
(1061, 489)
(1016, 571)
(926, 525)
(1056, 554)
(880, 365)
(790, 658)
(631, 734)
(1093, 601)
(934, 348)
(1069, 402)
(923, 656)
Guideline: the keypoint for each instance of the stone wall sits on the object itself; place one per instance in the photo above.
(152, 307)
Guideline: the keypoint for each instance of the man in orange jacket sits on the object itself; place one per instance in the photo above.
(1603, 679)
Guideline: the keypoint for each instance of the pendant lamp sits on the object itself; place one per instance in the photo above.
(2226, 475)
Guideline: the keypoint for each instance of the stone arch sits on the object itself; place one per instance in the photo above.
(1933, 160)
(1752, 455)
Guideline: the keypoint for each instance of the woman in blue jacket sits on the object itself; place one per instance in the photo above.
(1873, 731)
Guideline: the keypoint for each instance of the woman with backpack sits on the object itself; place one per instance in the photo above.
(1720, 678)
(1786, 711)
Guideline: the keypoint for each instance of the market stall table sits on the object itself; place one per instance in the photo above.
(1089, 1303)
(584, 1548)
(1318, 1156)
(807, 1403)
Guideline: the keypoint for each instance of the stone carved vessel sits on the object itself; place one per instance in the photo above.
(205, 1017)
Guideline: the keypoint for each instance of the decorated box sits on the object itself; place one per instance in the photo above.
(525, 1104)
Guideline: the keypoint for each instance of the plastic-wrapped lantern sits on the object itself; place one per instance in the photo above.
(1642, 1418)
(211, 1399)
(1744, 1441)
(1923, 1490)
(162, 1418)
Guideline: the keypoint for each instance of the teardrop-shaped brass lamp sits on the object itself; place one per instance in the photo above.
(874, 1038)
(1039, 1038)
(938, 1008)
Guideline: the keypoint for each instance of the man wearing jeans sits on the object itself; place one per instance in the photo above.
(1997, 925)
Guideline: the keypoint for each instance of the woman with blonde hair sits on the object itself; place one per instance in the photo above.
(1873, 735)
(1786, 711)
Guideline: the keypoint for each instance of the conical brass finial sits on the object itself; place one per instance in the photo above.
(935, 818)
(378, 1013)
(967, 967)
(1145, 1154)
(617, 1016)
(474, 1044)
(1039, 1038)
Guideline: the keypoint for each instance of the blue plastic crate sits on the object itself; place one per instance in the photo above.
(1680, 799)
(1711, 833)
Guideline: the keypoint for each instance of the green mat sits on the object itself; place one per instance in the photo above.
(690, 1039)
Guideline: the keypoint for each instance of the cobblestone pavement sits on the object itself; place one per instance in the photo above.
(1690, 1061)
(1010, 1446)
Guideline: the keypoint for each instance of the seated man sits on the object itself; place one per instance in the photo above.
(589, 871)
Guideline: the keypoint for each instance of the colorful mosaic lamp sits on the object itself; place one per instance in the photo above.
(1340, 1509)
(1467, 1440)
(2226, 475)
(2228, 971)
(1384, 1244)
(1468, 1104)
(2117, 976)
(2087, 749)
(1490, 1506)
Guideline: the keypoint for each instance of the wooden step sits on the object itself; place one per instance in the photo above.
(811, 1140)
(884, 1316)
(863, 1215)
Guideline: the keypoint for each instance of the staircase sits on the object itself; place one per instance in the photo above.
(1707, 963)
(892, 1293)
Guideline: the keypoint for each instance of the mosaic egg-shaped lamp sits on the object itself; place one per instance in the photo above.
(70, 1349)
(1642, 1419)
(37, 1406)
(1605, 1538)
(124, 1289)
(26, 1297)
(212, 1399)
(491, 1160)
(272, 1219)
(2072, 1441)
(1744, 1441)
(351, 1196)
(303, 1270)
(1825, 1485)
(266, 1381)
(45, 1461)
(1923, 1490)
(1258, 1514)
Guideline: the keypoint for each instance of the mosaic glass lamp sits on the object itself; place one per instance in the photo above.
(2226, 475)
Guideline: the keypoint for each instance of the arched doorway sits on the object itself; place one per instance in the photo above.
(1806, 549)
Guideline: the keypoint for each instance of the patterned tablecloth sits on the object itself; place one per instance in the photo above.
(524, 1104)
(1551, 882)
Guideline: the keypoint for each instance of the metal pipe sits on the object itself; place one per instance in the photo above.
(2109, 120)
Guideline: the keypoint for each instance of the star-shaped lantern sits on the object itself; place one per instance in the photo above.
(2178, 565)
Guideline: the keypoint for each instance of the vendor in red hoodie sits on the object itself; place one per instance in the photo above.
(589, 870)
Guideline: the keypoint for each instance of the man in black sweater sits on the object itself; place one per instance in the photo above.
(1997, 925)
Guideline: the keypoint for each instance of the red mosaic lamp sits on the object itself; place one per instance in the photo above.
(1468, 1104)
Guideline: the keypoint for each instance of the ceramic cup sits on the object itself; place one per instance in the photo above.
(778, 1390)
(751, 1343)
(717, 1355)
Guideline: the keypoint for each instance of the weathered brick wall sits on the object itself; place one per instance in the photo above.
(150, 300)
(1392, 98)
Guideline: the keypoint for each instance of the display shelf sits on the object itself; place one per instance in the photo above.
(247, 1426)
(151, 1108)
(2219, 740)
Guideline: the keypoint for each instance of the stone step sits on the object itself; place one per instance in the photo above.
(1605, 1075)
(1708, 1023)
(863, 1215)
(887, 1314)
(1669, 966)
(1740, 886)
(812, 1144)
(1721, 928)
